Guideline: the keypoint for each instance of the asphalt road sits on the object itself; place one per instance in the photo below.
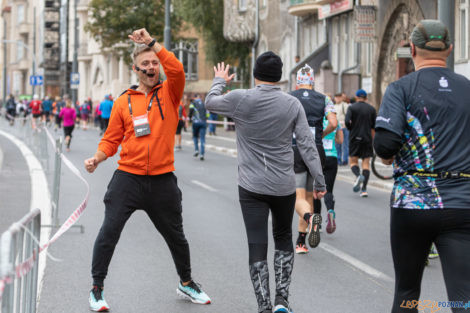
(351, 271)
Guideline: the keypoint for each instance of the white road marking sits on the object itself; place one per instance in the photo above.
(200, 184)
(226, 151)
(222, 138)
(40, 198)
(369, 270)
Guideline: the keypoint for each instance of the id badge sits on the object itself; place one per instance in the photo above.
(141, 125)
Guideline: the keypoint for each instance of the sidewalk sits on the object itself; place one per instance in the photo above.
(225, 142)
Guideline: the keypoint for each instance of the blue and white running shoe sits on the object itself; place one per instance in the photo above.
(97, 301)
(281, 309)
(282, 306)
(193, 292)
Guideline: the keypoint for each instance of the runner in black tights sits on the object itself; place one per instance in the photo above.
(423, 127)
(330, 170)
(265, 120)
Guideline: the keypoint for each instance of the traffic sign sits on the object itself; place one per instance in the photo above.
(36, 80)
(74, 78)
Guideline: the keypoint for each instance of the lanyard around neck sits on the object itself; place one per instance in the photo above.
(150, 104)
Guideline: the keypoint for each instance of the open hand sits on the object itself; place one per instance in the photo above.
(141, 36)
(222, 71)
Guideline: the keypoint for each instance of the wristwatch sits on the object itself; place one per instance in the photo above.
(152, 43)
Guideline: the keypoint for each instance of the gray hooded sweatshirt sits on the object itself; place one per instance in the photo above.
(265, 120)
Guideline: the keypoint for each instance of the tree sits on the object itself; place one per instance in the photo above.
(208, 18)
(112, 21)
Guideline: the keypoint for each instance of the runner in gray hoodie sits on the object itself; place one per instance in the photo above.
(265, 121)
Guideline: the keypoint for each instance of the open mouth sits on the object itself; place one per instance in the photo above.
(151, 75)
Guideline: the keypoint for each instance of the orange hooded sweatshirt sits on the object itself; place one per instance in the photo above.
(151, 154)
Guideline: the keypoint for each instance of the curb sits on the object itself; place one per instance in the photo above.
(1, 158)
(382, 185)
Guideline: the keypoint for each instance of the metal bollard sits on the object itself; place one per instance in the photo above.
(56, 183)
(16, 247)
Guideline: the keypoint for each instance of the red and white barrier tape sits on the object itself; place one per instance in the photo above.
(220, 123)
(73, 218)
(25, 267)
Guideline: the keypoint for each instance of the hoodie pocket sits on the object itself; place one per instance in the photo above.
(137, 152)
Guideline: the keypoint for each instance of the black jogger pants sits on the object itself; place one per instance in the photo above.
(160, 197)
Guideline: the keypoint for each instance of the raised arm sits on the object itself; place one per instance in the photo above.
(216, 102)
(173, 68)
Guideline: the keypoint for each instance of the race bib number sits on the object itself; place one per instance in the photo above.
(141, 125)
(327, 144)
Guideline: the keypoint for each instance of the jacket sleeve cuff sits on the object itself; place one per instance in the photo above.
(106, 149)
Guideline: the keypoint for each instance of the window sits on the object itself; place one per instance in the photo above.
(242, 5)
(306, 40)
(19, 50)
(344, 44)
(369, 47)
(463, 19)
(238, 73)
(286, 53)
(335, 46)
(20, 13)
(187, 52)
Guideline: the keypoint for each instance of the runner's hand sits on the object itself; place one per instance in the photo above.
(91, 164)
(318, 194)
(141, 36)
(222, 71)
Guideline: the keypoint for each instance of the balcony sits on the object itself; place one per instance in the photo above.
(25, 28)
(25, 64)
(83, 49)
(83, 6)
(304, 7)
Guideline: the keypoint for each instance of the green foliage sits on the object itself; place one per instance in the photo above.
(112, 21)
(207, 16)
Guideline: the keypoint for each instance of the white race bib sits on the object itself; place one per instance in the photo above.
(328, 144)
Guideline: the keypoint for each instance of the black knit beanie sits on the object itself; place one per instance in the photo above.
(268, 67)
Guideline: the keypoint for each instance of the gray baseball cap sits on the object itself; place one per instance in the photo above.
(430, 34)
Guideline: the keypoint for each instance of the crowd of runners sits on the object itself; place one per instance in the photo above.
(288, 158)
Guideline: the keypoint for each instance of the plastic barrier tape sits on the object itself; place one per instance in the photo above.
(25, 267)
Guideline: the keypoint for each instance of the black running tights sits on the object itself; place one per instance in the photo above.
(412, 232)
(160, 197)
(255, 210)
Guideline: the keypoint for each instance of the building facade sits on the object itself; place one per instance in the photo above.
(350, 44)
(46, 27)
(20, 29)
(322, 33)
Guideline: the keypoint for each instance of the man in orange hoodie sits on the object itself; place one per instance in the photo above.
(143, 121)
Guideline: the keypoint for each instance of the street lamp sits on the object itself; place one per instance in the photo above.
(167, 29)
(5, 10)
